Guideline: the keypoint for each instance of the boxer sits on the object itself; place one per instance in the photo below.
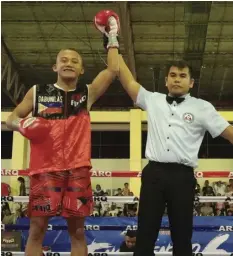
(60, 139)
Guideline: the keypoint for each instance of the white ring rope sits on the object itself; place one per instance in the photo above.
(118, 254)
(121, 199)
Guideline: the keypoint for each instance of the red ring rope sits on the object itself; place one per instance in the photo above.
(128, 174)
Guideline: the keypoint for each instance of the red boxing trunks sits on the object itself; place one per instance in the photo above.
(65, 193)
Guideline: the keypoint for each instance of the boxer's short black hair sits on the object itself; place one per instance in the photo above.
(131, 233)
(75, 50)
(179, 64)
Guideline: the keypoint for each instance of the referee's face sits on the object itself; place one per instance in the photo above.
(179, 81)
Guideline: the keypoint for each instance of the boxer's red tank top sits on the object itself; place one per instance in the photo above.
(68, 145)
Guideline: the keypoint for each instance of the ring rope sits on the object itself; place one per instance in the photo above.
(118, 254)
(122, 199)
(11, 227)
(126, 174)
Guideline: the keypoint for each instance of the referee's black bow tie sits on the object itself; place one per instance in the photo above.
(176, 99)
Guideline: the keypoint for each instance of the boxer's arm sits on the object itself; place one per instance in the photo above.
(101, 83)
(127, 80)
(21, 111)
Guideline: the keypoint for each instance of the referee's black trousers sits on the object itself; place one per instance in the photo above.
(164, 184)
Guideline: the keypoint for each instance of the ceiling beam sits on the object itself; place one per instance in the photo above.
(10, 78)
(196, 24)
(126, 30)
(38, 23)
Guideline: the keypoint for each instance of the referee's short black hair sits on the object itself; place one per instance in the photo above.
(179, 64)
(131, 233)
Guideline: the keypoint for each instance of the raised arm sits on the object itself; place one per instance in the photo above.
(127, 80)
(104, 79)
(106, 20)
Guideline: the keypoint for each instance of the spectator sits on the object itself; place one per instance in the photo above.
(130, 240)
(229, 213)
(207, 210)
(10, 218)
(207, 189)
(98, 191)
(229, 191)
(5, 206)
(113, 210)
(106, 214)
(120, 214)
(219, 205)
(132, 212)
(119, 192)
(198, 190)
(220, 212)
(126, 190)
(22, 187)
(220, 188)
(24, 210)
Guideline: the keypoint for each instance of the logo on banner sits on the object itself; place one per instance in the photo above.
(199, 174)
(100, 199)
(11, 241)
(97, 254)
(214, 244)
(51, 254)
(50, 227)
(9, 172)
(139, 174)
(97, 246)
(226, 228)
(92, 227)
(101, 174)
(7, 199)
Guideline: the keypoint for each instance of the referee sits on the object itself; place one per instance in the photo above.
(177, 123)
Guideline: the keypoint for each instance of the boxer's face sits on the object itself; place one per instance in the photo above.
(69, 64)
(130, 241)
(179, 81)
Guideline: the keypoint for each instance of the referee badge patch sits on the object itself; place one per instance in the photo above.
(188, 117)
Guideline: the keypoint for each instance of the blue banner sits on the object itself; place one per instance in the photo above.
(213, 234)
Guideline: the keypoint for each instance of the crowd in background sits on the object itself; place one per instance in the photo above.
(218, 188)
(10, 213)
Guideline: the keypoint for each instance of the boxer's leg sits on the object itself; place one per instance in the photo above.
(77, 204)
(38, 227)
(46, 191)
(77, 236)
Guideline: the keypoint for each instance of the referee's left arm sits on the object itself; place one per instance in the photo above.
(215, 124)
(228, 134)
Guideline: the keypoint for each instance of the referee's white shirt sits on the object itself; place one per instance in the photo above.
(176, 131)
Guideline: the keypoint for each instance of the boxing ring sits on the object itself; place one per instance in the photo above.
(117, 226)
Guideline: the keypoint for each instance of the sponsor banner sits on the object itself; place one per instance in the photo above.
(211, 240)
(11, 241)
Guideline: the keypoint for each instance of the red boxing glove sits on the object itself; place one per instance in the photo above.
(107, 22)
(35, 129)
